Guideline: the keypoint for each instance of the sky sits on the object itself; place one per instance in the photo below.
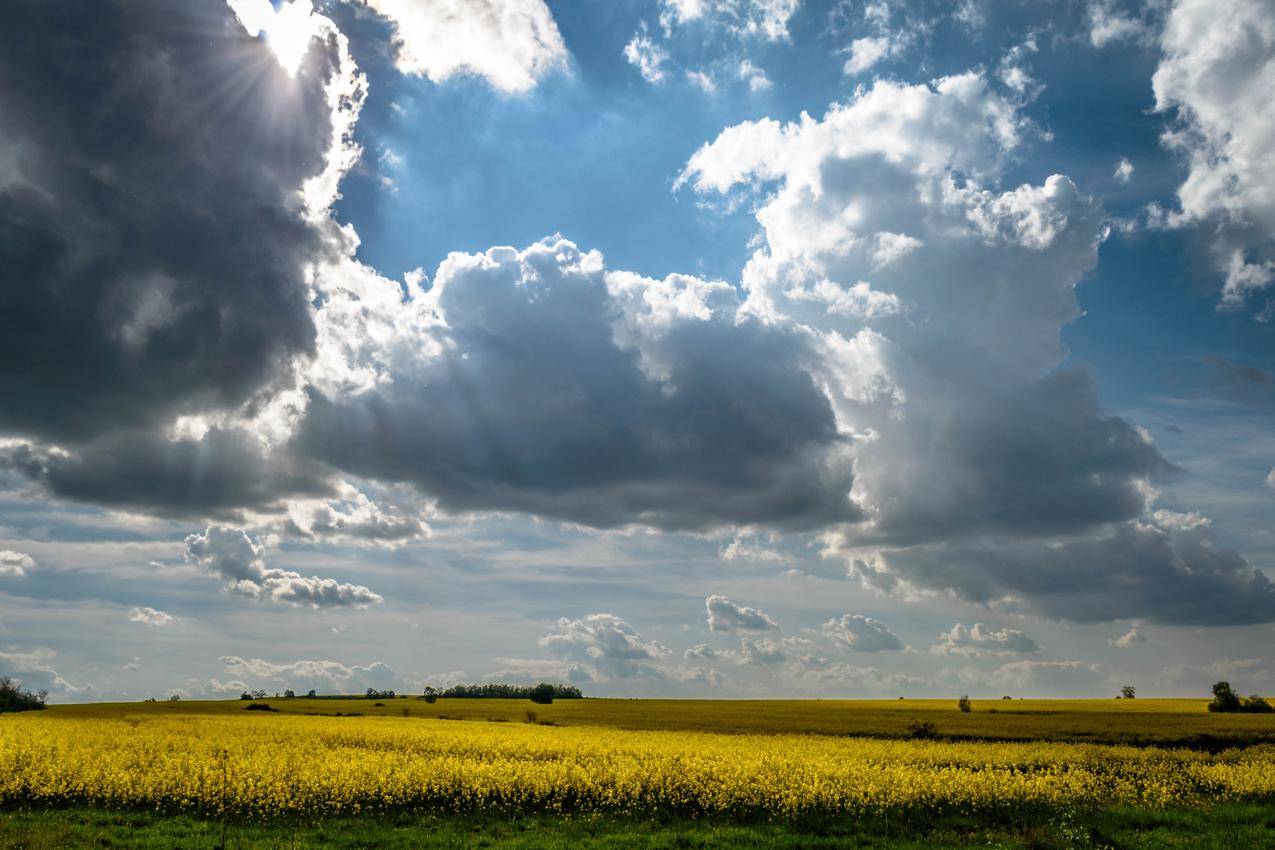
(705, 348)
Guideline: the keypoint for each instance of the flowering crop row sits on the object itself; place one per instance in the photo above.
(288, 765)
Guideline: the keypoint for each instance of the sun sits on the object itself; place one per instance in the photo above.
(287, 29)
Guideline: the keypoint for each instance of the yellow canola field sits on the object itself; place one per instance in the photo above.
(286, 765)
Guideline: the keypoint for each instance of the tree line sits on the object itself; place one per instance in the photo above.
(491, 690)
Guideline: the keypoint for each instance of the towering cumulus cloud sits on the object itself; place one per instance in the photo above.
(938, 297)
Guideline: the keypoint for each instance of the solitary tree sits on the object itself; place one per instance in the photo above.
(289, 694)
(542, 693)
(1224, 699)
(964, 704)
(1127, 692)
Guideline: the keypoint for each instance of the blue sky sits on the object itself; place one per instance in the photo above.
(670, 347)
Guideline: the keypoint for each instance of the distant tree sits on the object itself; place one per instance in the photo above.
(14, 698)
(430, 695)
(175, 698)
(258, 694)
(542, 694)
(1007, 696)
(1128, 692)
(1224, 699)
(922, 729)
(289, 694)
(245, 695)
(311, 694)
(964, 704)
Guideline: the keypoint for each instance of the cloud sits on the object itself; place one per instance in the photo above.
(981, 641)
(149, 185)
(647, 56)
(872, 679)
(230, 554)
(32, 670)
(320, 675)
(1246, 673)
(701, 676)
(701, 651)
(1124, 171)
(754, 76)
(535, 670)
(219, 473)
(762, 652)
(1131, 638)
(150, 617)
(702, 81)
(740, 549)
(510, 43)
(1270, 478)
(354, 517)
(605, 642)
(539, 381)
(1050, 677)
(1240, 382)
(983, 463)
(15, 563)
(866, 52)
(1216, 72)
(861, 634)
(1162, 569)
(948, 382)
(726, 616)
(1108, 25)
(767, 19)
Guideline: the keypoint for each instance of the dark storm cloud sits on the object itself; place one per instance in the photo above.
(562, 391)
(151, 248)
(1165, 569)
(216, 475)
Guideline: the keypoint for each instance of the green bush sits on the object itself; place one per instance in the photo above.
(14, 698)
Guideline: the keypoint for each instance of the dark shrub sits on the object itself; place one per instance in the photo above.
(964, 704)
(1256, 705)
(14, 698)
(259, 706)
(922, 729)
(542, 694)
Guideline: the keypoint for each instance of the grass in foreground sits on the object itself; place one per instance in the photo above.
(1222, 827)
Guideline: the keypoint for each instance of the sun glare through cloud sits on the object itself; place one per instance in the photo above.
(287, 29)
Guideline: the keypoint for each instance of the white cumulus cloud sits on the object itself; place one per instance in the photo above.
(726, 616)
(230, 554)
(510, 43)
